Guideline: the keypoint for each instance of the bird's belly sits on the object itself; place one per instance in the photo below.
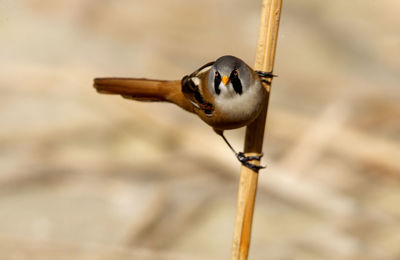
(232, 121)
(234, 115)
(238, 111)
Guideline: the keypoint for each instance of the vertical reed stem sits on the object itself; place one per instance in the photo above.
(265, 56)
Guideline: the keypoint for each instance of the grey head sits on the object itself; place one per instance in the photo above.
(230, 77)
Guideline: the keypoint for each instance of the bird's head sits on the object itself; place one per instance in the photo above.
(229, 77)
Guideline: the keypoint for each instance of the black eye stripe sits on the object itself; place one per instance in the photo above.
(217, 81)
(234, 74)
(236, 83)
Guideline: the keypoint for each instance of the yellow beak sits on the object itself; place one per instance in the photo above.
(225, 80)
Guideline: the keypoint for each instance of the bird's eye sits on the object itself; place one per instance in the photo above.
(216, 74)
(235, 73)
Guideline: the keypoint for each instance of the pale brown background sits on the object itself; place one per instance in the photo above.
(89, 176)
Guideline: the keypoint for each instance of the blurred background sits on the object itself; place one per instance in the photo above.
(90, 176)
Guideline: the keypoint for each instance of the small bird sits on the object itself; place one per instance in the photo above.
(226, 94)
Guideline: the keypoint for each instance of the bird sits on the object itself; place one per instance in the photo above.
(226, 94)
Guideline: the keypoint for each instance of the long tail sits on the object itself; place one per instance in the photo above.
(144, 89)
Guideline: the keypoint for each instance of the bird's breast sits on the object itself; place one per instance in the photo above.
(238, 110)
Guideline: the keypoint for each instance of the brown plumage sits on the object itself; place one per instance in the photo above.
(144, 90)
(226, 94)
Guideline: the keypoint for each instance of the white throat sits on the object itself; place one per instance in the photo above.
(227, 91)
(238, 106)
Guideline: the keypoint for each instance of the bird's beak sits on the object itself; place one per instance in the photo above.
(225, 80)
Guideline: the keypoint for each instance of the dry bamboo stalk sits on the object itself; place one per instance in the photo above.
(265, 56)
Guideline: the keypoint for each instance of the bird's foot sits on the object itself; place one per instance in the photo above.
(245, 161)
(263, 74)
(242, 157)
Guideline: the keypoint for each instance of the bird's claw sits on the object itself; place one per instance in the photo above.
(263, 74)
(245, 161)
(243, 158)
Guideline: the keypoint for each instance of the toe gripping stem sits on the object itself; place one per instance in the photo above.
(265, 75)
(243, 159)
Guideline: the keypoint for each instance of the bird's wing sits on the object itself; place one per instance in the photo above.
(191, 90)
(199, 70)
